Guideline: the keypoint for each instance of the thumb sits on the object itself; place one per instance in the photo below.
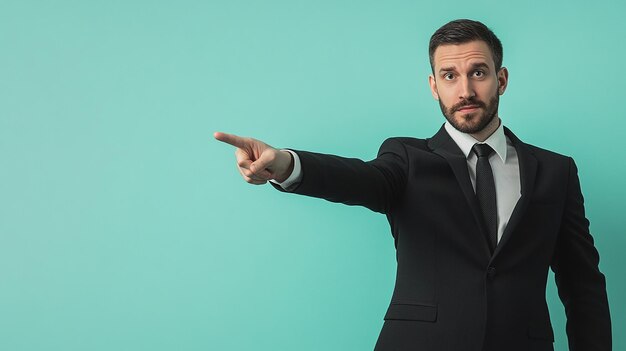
(266, 160)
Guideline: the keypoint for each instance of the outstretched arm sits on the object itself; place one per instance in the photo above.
(375, 184)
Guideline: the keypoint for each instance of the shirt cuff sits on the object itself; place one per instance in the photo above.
(296, 175)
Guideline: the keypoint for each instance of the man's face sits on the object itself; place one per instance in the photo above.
(466, 84)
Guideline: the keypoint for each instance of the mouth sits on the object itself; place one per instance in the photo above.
(469, 108)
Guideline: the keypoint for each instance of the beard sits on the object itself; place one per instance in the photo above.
(472, 122)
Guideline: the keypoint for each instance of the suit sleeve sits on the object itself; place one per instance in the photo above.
(581, 285)
(375, 184)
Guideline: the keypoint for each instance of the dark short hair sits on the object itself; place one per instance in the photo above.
(462, 31)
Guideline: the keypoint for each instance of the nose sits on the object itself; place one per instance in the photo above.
(466, 89)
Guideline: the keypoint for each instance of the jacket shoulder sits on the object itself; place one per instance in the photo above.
(407, 142)
(548, 155)
(540, 153)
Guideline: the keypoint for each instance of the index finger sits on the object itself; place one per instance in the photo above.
(231, 139)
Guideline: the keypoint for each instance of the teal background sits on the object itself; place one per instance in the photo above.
(125, 226)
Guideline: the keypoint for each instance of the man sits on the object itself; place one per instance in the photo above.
(478, 216)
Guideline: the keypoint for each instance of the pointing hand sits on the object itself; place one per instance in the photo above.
(257, 161)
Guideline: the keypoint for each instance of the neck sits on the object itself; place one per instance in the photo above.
(488, 130)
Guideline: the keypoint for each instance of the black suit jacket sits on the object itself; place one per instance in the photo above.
(451, 293)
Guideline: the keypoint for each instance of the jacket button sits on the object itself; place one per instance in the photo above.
(491, 272)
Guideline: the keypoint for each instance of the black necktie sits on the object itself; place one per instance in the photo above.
(486, 192)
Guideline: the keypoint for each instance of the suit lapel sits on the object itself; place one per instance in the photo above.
(528, 172)
(443, 145)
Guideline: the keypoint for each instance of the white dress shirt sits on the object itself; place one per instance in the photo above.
(504, 165)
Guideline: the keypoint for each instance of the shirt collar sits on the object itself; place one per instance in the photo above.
(497, 140)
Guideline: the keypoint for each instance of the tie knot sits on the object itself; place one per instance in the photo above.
(482, 150)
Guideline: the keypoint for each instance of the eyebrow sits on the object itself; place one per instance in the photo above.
(446, 69)
(480, 65)
(474, 66)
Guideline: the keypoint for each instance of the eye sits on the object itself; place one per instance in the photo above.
(448, 76)
(479, 74)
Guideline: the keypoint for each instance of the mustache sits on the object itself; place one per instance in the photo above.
(468, 102)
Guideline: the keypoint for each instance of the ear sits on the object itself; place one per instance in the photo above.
(433, 86)
(503, 80)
